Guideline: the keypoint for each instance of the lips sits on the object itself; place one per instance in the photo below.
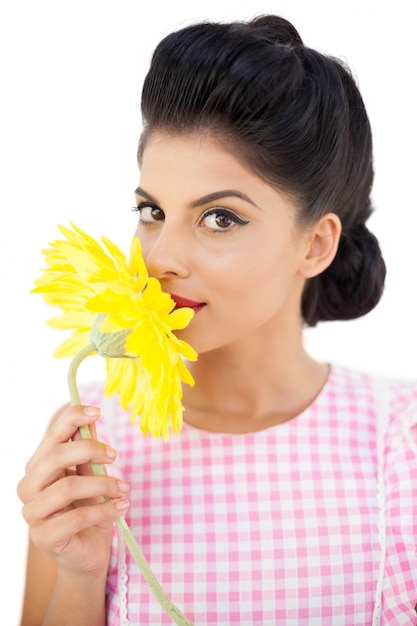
(181, 302)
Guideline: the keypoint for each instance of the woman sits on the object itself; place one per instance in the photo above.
(289, 495)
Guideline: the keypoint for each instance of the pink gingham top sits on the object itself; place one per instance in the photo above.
(311, 522)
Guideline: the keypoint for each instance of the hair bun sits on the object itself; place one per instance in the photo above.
(353, 284)
(277, 30)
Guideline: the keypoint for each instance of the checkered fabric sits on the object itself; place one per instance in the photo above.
(311, 522)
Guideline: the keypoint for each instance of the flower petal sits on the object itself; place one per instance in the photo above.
(85, 280)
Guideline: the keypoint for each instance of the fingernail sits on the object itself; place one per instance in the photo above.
(111, 453)
(123, 487)
(91, 410)
(122, 505)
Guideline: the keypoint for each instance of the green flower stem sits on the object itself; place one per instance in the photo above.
(157, 590)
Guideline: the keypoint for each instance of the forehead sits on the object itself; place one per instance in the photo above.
(199, 158)
(195, 144)
(188, 166)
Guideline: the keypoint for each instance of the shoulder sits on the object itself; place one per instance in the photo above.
(386, 404)
(393, 394)
(389, 403)
(397, 408)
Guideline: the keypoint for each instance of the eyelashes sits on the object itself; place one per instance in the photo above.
(155, 213)
(143, 205)
(225, 213)
(216, 220)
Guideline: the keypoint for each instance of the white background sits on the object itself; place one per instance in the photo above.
(70, 82)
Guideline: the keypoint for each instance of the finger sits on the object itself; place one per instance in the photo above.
(92, 429)
(66, 428)
(63, 427)
(87, 469)
(50, 464)
(70, 420)
(69, 491)
(56, 533)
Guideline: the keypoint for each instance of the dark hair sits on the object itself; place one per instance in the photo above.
(296, 117)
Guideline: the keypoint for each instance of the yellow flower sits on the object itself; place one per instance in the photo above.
(115, 306)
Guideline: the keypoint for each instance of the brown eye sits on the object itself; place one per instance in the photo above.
(221, 220)
(156, 213)
(149, 213)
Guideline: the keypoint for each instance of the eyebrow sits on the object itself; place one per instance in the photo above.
(210, 197)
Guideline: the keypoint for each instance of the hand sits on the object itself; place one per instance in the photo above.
(65, 505)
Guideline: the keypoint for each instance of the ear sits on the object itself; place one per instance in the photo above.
(322, 243)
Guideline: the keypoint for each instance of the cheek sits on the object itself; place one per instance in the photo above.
(250, 271)
(250, 286)
(268, 278)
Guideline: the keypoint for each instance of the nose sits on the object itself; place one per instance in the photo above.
(165, 253)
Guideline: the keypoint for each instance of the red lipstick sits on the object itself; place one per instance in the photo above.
(181, 302)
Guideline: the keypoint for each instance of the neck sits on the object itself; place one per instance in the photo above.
(245, 388)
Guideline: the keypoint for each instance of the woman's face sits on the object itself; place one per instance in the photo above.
(221, 239)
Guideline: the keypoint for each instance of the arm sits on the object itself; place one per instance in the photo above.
(46, 594)
(38, 586)
(70, 513)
